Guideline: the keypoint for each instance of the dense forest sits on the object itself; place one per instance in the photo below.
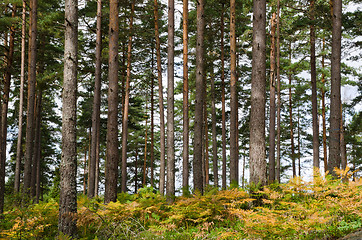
(178, 114)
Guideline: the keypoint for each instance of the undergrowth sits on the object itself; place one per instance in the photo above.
(321, 209)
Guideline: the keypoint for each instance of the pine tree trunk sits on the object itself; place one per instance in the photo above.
(233, 98)
(29, 145)
(112, 123)
(85, 172)
(68, 166)
(278, 94)
(257, 114)
(223, 114)
(272, 101)
(206, 142)
(214, 137)
(21, 103)
(313, 75)
(334, 134)
(135, 172)
(96, 106)
(291, 125)
(37, 145)
(324, 113)
(4, 110)
(185, 153)
(170, 186)
(160, 100)
(343, 143)
(152, 150)
(199, 101)
(145, 155)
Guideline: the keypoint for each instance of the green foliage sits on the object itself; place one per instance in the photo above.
(323, 208)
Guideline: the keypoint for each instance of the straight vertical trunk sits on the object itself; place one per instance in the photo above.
(96, 107)
(214, 137)
(257, 114)
(291, 126)
(4, 111)
(38, 174)
(199, 101)
(223, 114)
(68, 166)
(170, 186)
(152, 150)
(160, 100)
(145, 156)
(299, 142)
(272, 101)
(185, 153)
(313, 76)
(36, 157)
(21, 102)
(135, 172)
(206, 143)
(85, 173)
(278, 94)
(126, 103)
(233, 99)
(334, 134)
(112, 123)
(29, 145)
(96, 184)
(324, 113)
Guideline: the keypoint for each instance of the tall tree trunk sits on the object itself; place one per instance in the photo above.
(170, 186)
(4, 110)
(272, 101)
(233, 98)
(38, 172)
(313, 76)
(96, 106)
(152, 150)
(126, 103)
(21, 102)
(334, 134)
(36, 157)
(29, 146)
(160, 100)
(96, 184)
(68, 165)
(223, 114)
(257, 114)
(85, 172)
(299, 142)
(145, 155)
(206, 142)
(214, 137)
(324, 112)
(277, 173)
(112, 123)
(199, 101)
(291, 117)
(185, 153)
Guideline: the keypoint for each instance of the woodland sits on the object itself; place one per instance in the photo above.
(147, 119)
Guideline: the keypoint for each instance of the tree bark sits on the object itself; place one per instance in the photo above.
(152, 150)
(233, 98)
(29, 145)
(343, 143)
(334, 132)
(291, 120)
(278, 94)
(112, 123)
(313, 76)
(170, 186)
(257, 114)
(272, 101)
(135, 171)
(21, 103)
(206, 142)
(4, 110)
(160, 100)
(323, 80)
(199, 101)
(185, 153)
(223, 114)
(96, 106)
(68, 166)
(37, 145)
(145, 155)
(214, 134)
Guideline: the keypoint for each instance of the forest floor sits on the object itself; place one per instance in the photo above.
(321, 209)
